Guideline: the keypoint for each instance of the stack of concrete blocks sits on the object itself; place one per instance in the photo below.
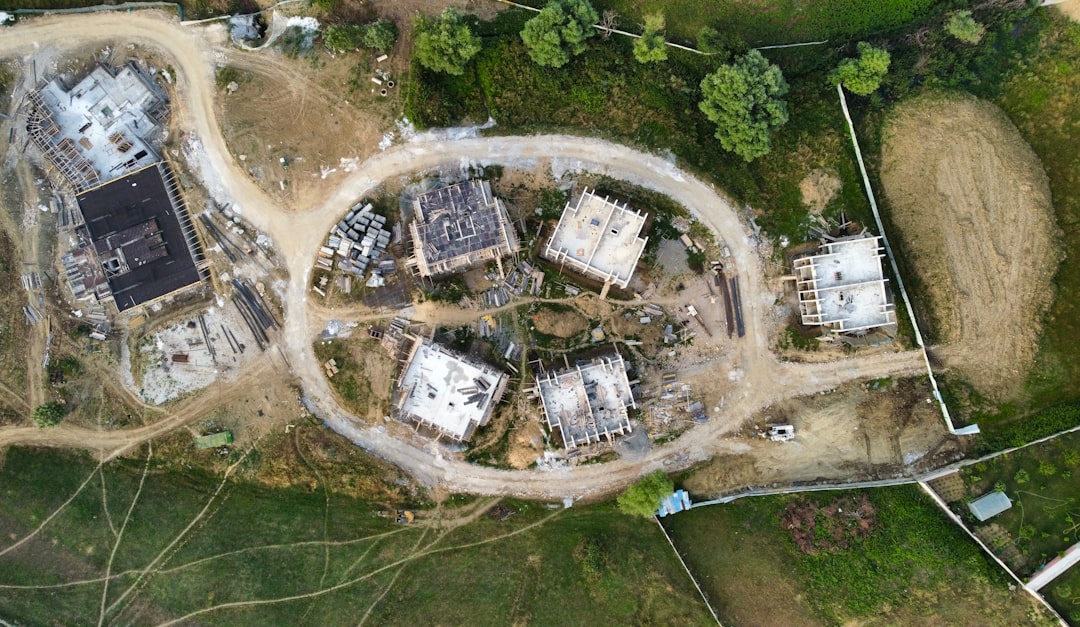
(359, 241)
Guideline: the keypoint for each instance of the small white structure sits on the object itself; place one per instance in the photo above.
(446, 391)
(987, 506)
(459, 227)
(587, 402)
(599, 239)
(843, 286)
(101, 129)
(781, 433)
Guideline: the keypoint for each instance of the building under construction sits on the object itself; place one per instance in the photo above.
(137, 236)
(588, 402)
(598, 238)
(447, 392)
(459, 227)
(101, 129)
(842, 287)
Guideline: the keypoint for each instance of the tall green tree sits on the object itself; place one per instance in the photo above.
(380, 35)
(643, 498)
(963, 26)
(651, 47)
(445, 43)
(745, 100)
(863, 75)
(559, 31)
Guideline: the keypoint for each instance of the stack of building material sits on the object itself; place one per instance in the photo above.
(358, 241)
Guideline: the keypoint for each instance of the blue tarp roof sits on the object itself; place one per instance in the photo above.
(674, 503)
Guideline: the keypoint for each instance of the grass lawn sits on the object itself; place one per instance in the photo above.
(1045, 517)
(1064, 594)
(915, 567)
(257, 545)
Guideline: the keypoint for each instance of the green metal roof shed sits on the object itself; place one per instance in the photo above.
(214, 440)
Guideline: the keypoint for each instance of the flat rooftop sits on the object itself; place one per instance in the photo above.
(101, 128)
(446, 391)
(598, 238)
(587, 402)
(142, 236)
(843, 286)
(458, 227)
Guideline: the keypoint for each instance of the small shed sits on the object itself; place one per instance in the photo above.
(989, 505)
(214, 440)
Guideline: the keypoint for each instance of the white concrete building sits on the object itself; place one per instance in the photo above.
(599, 239)
(842, 287)
(447, 392)
(588, 402)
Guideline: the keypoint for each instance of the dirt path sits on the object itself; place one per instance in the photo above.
(758, 378)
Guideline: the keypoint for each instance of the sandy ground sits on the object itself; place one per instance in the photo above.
(973, 206)
(1070, 8)
(819, 188)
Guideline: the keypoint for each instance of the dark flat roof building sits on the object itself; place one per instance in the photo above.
(142, 236)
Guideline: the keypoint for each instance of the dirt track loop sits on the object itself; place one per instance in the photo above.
(297, 233)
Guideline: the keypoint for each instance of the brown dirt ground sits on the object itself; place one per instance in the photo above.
(1070, 8)
(893, 425)
(526, 443)
(564, 324)
(973, 207)
(819, 188)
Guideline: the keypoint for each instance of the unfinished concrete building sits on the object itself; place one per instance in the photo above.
(459, 227)
(588, 402)
(447, 392)
(101, 129)
(842, 287)
(599, 239)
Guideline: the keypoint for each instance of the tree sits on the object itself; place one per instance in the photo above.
(559, 31)
(863, 75)
(609, 21)
(49, 414)
(651, 46)
(722, 45)
(380, 35)
(445, 43)
(643, 498)
(744, 99)
(964, 27)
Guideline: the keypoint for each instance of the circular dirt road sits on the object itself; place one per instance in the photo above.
(299, 232)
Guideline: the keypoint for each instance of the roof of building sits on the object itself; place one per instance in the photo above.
(99, 129)
(142, 235)
(843, 286)
(587, 402)
(459, 226)
(447, 391)
(989, 505)
(599, 238)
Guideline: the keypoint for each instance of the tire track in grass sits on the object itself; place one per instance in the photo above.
(123, 526)
(181, 535)
(105, 504)
(56, 513)
(351, 582)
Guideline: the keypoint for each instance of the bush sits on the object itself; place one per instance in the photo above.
(559, 31)
(745, 102)
(379, 35)
(49, 414)
(643, 498)
(651, 46)
(863, 75)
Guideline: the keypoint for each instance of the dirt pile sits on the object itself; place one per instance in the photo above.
(819, 188)
(973, 209)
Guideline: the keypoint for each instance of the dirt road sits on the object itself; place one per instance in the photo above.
(298, 232)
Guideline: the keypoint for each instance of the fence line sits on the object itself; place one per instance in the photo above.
(970, 429)
(126, 6)
(688, 573)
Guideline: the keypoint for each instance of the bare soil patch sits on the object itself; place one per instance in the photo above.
(819, 188)
(973, 207)
(563, 323)
(1070, 8)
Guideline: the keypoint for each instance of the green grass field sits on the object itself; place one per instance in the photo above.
(915, 568)
(195, 547)
(1064, 594)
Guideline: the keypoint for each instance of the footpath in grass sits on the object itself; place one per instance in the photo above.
(1043, 482)
(256, 546)
(886, 555)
